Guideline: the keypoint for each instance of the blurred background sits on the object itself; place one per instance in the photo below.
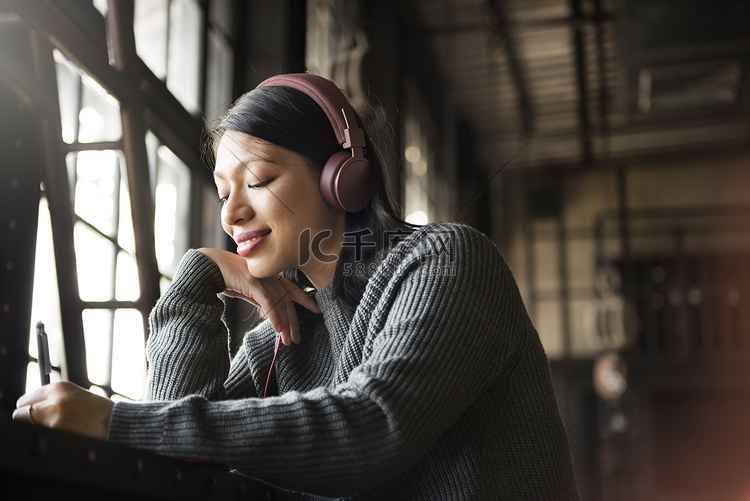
(601, 144)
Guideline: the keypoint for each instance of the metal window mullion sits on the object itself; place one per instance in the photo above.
(115, 255)
(61, 217)
(122, 42)
(116, 216)
(109, 305)
(76, 132)
(93, 146)
(168, 30)
(196, 184)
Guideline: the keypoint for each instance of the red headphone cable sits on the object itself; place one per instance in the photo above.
(273, 364)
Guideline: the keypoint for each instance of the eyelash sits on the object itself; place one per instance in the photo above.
(258, 186)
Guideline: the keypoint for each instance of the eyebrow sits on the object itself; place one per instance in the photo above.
(244, 164)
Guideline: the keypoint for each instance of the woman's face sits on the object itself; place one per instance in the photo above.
(273, 209)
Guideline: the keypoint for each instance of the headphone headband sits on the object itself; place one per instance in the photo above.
(345, 181)
(330, 99)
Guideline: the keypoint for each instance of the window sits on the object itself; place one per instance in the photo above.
(418, 207)
(220, 53)
(425, 191)
(103, 241)
(169, 38)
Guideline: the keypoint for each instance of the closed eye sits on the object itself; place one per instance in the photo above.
(223, 200)
(259, 185)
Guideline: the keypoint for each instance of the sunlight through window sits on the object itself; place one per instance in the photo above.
(129, 364)
(177, 40)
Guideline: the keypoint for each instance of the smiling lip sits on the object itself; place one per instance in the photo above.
(248, 242)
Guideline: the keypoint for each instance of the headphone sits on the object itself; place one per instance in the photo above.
(345, 181)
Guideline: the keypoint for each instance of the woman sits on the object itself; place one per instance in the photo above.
(410, 370)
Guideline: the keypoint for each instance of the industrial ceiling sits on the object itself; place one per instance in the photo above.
(587, 83)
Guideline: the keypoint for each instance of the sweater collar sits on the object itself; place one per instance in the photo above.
(336, 321)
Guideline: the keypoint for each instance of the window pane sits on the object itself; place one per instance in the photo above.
(127, 285)
(420, 184)
(184, 55)
(97, 390)
(97, 332)
(166, 225)
(101, 6)
(97, 179)
(172, 210)
(99, 117)
(218, 77)
(68, 90)
(164, 284)
(125, 235)
(120, 398)
(129, 362)
(323, 36)
(95, 259)
(150, 28)
(45, 302)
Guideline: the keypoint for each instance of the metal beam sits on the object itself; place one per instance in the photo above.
(582, 84)
(61, 216)
(501, 30)
(552, 22)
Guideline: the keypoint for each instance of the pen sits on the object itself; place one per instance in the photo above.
(45, 366)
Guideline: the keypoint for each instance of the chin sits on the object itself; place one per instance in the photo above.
(264, 274)
(264, 271)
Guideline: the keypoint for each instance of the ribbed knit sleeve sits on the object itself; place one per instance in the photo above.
(438, 388)
(187, 349)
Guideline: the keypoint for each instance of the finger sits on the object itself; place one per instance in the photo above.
(286, 309)
(268, 306)
(299, 296)
(282, 310)
(23, 413)
(286, 337)
(31, 413)
(294, 331)
(239, 295)
(291, 314)
(35, 396)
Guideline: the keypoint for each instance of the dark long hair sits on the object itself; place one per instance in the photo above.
(290, 119)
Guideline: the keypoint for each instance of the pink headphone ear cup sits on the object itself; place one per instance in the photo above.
(345, 182)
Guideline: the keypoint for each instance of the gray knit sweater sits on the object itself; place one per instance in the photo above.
(438, 388)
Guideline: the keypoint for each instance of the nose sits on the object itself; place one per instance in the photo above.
(236, 210)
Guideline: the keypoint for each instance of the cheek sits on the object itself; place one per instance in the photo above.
(299, 204)
(281, 212)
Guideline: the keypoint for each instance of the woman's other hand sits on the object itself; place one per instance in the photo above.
(274, 295)
(66, 406)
